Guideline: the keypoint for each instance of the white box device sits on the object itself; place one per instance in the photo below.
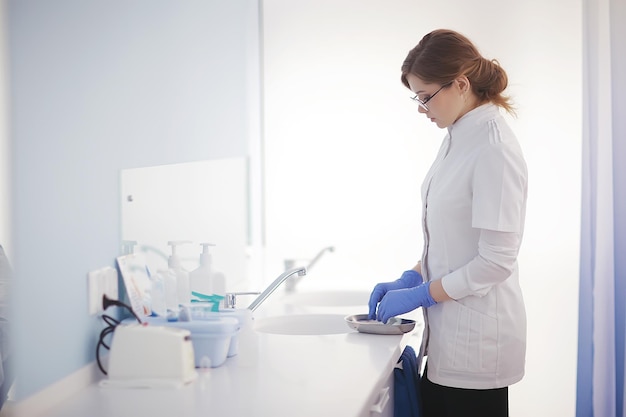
(150, 356)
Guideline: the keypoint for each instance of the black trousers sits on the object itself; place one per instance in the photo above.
(440, 401)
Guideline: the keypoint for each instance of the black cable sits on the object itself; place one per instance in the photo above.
(112, 323)
(107, 302)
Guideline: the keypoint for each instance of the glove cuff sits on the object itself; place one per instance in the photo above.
(430, 301)
(411, 278)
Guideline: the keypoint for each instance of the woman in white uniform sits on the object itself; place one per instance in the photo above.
(473, 209)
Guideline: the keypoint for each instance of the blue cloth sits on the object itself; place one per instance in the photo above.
(406, 400)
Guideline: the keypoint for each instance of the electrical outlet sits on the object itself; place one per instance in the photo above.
(100, 282)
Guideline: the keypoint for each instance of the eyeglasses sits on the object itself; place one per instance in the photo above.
(422, 103)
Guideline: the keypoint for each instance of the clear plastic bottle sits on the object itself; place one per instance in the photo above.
(182, 277)
(157, 293)
(165, 292)
(200, 278)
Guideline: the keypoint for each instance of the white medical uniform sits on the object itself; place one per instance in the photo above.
(474, 203)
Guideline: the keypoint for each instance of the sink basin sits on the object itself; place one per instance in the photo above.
(329, 298)
(303, 324)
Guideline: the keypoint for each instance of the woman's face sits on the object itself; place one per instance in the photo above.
(444, 108)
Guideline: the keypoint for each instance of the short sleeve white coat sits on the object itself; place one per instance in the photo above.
(474, 204)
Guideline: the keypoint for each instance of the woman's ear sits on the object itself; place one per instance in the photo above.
(464, 84)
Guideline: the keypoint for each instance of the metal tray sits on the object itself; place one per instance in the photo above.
(396, 325)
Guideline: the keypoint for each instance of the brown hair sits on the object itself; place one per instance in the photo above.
(442, 55)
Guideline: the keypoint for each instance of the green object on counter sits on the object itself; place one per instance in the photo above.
(203, 298)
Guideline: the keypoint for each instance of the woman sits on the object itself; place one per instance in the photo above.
(474, 203)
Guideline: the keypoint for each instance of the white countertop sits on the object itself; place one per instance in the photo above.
(273, 375)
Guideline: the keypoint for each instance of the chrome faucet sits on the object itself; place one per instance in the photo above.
(319, 255)
(301, 271)
(291, 283)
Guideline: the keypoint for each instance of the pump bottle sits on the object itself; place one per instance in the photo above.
(204, 279)
(200, 278)
(160, 281)
(182, 277)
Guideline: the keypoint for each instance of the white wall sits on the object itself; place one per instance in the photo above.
(97, 87)
(346, 151)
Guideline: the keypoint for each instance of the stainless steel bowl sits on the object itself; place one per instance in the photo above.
(396, 325)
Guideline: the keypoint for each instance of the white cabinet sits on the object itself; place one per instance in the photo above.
(381, 404)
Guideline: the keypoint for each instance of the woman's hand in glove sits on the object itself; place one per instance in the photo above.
(408, 279)
(402, 301)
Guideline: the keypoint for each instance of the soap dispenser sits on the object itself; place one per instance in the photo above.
(200, 278)
(204, 279)
(182, 276)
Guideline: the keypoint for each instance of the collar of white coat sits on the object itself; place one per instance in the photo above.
(462, 129)
(475, 116)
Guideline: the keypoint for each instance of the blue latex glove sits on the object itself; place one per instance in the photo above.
(402, 301)
(408, 279)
